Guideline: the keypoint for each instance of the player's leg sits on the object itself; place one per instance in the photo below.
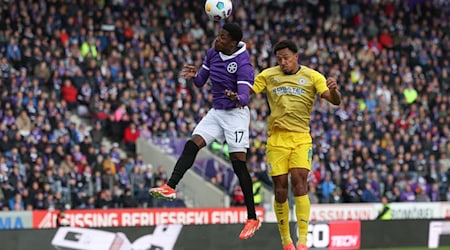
(281, 209)
(186, 159)
(236, 124)
(236, 131)
(240, 169)
(205, 132)
(300, 167)
(184, 162)
(278, 164)
(238, 160)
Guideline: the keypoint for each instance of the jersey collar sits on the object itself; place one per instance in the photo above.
(243, 48)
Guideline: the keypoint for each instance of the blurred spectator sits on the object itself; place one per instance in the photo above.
(238, 197)
(23, 123)
(312, 194)
(130, 137)
(407, 194)
(128, 200)
(368, 195)
(327, 188)
(61, 220)
(257, 190)
(97, 135)
(109, 167)
(16, 203)
(69, 94)
(386, 212)
(161, 176)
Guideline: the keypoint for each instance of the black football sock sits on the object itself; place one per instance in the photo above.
(184, 163)
(240, 169)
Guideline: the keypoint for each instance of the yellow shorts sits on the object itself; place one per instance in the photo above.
(286, 150)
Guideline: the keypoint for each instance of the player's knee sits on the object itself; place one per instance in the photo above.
(300, 187)
(238, 156)
(198, 141)
(281, 194)
(191, 148)
(299, 190)
(299, 178)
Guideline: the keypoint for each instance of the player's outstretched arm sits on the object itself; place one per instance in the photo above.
(190, 72)
(332, 95)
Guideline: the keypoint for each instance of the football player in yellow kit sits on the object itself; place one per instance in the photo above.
(291, 90)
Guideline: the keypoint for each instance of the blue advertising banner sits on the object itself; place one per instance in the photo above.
(16, 220)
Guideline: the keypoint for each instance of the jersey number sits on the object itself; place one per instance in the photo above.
(239, 135)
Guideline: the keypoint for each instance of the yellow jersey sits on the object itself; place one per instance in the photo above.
(291, 97)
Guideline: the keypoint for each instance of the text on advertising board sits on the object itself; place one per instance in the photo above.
(334, 235)
(144, 217)
(15, 220)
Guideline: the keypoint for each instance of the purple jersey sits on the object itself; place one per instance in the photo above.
(227, 72)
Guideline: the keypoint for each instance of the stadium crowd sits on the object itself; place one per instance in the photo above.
(117, 63)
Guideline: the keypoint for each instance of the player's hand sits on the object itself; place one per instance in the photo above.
(234, 97)
(188, 71)
(331, 83)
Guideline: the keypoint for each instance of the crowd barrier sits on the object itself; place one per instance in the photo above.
(333, 235)
(198, 216)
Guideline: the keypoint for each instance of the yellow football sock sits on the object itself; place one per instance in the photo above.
(282, 214)
(302, 210)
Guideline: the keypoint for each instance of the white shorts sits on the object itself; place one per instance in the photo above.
(231, 126)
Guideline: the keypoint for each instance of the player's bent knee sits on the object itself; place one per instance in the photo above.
(281, 194)
(199, 141)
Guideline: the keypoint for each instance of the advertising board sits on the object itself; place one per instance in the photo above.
(15, 220)
(145, 217)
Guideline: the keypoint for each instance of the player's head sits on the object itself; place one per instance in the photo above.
(287, 55)
(228, 38)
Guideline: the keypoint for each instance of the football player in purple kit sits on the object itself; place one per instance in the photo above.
(229, 69)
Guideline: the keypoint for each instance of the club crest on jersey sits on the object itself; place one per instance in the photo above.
(301, 81)
(232, 67)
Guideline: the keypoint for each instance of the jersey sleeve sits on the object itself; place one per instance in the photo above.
(244, 79)
(245, 74)
(203, 73)
(320, 83)
(260, 83)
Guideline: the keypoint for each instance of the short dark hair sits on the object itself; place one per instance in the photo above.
(285, 44)
(234, 30)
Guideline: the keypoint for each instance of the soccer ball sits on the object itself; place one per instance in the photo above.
(218, 10)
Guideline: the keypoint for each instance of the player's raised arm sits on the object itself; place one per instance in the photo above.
(332, 95)
(190, 72)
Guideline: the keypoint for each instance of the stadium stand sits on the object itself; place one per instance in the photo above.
(116, 64)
